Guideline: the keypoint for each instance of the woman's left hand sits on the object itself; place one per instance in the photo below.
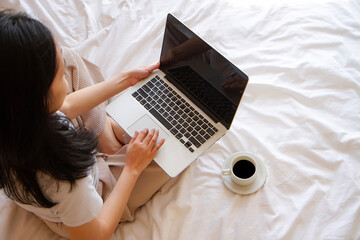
(137, 74)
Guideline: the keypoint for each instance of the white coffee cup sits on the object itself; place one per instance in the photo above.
(243, 170)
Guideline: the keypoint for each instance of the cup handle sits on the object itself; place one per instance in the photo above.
(226, 172)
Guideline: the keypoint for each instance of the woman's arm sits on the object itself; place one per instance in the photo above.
(85, 99)
(141, 150)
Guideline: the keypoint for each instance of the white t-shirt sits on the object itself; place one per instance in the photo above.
(75, 206)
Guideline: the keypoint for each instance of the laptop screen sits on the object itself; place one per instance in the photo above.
(206, 77)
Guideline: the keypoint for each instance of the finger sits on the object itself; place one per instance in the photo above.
(158, 146)
(142, 134)
(136, 134)
(152, 68)
(154, 139)
(149, 136)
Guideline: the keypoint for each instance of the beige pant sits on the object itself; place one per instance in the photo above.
(110, 168)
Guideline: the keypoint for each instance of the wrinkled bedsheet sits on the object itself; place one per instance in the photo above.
(300, 114)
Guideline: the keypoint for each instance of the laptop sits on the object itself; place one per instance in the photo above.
(191, 99)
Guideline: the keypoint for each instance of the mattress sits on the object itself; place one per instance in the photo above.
(300, 114)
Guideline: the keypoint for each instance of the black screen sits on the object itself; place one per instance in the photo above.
(201, 73)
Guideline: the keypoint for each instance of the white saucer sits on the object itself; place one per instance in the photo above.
(253, 187)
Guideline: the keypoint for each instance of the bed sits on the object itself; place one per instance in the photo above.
(300, 114)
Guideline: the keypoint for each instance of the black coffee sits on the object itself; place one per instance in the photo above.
(244, 169)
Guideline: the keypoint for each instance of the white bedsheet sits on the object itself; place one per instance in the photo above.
(300, 114)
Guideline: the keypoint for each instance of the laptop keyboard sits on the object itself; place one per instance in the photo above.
(175, 113)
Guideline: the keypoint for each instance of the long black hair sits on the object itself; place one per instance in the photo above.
(31, 138)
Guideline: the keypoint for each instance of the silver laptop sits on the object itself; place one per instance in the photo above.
(192, 99)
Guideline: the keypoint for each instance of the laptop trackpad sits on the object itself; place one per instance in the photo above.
(146, 122)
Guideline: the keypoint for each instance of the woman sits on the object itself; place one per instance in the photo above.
(47, 166)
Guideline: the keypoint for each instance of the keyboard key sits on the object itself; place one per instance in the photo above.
(200, 139)
(149, 84)
(147, 106)
(194, 141)
(160, 118)
(210, 131)
(207, 136)
(145, 88)
(174, 131)
(135, 94)
(187, 144)
(144, 94)
(191, 150)
(179, 135)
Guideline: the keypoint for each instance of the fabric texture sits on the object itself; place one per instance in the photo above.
(81, 73)
(300, 114)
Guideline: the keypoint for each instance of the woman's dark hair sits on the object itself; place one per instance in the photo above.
(31, 138)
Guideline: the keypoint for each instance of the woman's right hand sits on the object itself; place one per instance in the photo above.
(142, 149)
